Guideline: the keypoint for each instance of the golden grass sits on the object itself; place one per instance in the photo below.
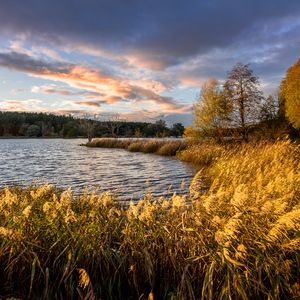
(238, 240)
(205, 153)
(109, 143)
(162, 147)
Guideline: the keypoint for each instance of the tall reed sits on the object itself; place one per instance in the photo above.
(165, 147)
(238, 240)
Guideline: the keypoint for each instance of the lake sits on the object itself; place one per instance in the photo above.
(64, 163)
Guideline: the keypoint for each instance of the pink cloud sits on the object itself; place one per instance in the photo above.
(104, 87)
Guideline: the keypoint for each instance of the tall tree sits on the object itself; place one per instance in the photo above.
(269, 109)
(242, 88)
(212, 110)
(290, 92)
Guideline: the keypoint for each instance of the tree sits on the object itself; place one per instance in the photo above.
(160, 128)
(241, 88)
(113, 124)
(212, 111)
(88, 125)
(177, 129)
(70, 129)
(33, 131)
(290, 92)
(269, 109)
(190, 132)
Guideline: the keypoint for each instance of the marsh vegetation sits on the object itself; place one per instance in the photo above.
(238, 240)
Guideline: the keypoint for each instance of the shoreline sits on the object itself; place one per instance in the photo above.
(37, 138)
(160, 146)
(242, 232)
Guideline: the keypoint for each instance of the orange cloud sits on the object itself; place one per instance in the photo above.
(106, 88)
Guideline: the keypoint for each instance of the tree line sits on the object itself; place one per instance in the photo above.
(238, 109)
(24, 124)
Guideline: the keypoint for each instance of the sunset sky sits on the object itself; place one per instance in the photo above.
(145, 60)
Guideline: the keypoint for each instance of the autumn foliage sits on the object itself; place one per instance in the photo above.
(290, 92)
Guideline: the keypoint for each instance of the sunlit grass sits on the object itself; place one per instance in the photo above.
(238, 240)
(163, 147)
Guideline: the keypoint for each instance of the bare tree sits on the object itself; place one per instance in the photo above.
(88, 124)
(113, 123)
(241, 87)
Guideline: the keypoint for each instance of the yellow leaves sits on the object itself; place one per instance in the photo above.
(290, 92)
(190, 132)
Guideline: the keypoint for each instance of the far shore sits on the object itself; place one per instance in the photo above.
(38, 138)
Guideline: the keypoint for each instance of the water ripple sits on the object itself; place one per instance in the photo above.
(64, 163)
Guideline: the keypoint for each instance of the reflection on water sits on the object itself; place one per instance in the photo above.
(64, 163)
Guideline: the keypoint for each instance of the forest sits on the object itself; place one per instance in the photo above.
(24, 124)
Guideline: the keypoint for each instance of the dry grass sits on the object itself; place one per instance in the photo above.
(162, 147)
(205, 153)
(171, 148)
(109, 143)
(239, 240)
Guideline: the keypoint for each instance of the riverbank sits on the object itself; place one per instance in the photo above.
(39, 138)
(240, 238)
(166, 147)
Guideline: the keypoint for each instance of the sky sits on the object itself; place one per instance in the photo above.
(143, 60)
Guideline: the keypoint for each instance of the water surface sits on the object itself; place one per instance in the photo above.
(66, 164)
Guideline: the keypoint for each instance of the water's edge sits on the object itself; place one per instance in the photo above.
(65, 164)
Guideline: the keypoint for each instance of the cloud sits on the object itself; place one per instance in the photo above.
(20, 105)
(64, 91)
(105, 87)
(157, 33)
(52, 89)
(19, 45)
(24, 62)
(88, 103)
(144, 115)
